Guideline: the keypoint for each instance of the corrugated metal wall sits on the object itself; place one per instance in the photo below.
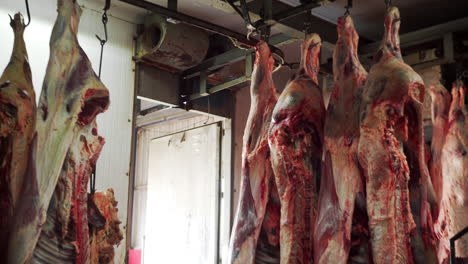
(116, 124)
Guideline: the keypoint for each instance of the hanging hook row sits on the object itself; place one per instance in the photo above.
(103, 41)
(348, 7)
(28, 12)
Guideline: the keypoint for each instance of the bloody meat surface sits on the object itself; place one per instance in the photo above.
(450, 166)
(342, 189)
(296, 151)
(391, 153)
(71, 97)
(17, 126)
(257, 174)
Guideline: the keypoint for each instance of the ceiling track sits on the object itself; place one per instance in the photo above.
(266, 20)
(421, 36)
(286, 12)
(193, 21)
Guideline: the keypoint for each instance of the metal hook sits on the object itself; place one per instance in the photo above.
(103, 41)
(348, 7)
(243, 12)
(28, 12)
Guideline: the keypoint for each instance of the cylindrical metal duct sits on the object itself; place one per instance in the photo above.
(178, 46)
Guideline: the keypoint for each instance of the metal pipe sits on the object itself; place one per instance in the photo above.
(285, 14)
(231, 56)
(192, 21)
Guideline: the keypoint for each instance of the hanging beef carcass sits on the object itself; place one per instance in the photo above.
(71, 192)
(72, 96)
(450, 166)
(455, 169)
(341, 190)
(439, 113)
(391, 152)
(17, 125)
(257, 174)
(440, 110)
(296, 151)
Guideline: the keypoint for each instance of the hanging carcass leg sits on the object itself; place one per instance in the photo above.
(256, 165)
(341, 185)
(17, 125)
(391, 138)
(71, 97)
(452, 165)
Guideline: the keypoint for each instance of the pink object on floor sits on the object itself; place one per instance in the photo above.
(135, 256)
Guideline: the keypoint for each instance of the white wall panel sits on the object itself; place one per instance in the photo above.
(117, 75)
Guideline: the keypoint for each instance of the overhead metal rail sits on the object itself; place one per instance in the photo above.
(231, 56)
(261, 8)
(289, 19)
(421, 36)
(204, 90)
(196, 22)
(286, 14)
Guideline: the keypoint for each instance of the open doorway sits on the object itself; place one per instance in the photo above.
(182, 201)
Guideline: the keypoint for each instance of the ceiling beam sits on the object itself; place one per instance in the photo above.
(420, 36)
(186, 19)
(288, 19)
(231, 56)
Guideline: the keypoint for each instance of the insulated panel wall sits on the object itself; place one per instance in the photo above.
(117, 75)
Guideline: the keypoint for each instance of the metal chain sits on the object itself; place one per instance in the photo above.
(103, 42)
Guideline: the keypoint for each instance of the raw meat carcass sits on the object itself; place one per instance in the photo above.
(72, 96)
(455, 169)
(104, 239)
(80, 162)
(257, 174)
(296, 152)
(70, 202)
(342, 183)
(453, 166)
(439, 113)
(391, 153)
(17, 124)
